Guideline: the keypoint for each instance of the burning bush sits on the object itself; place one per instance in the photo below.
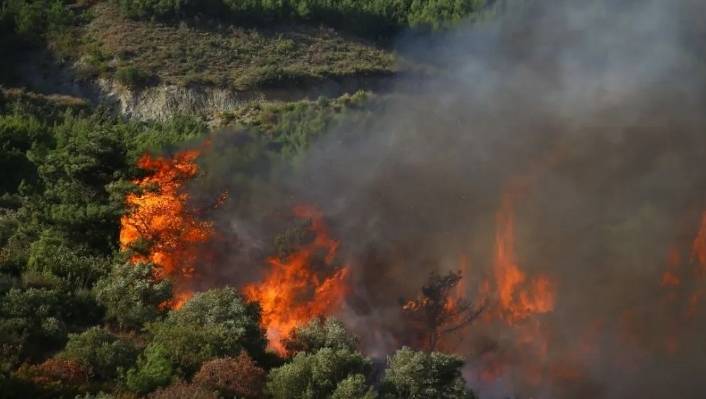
(440, 309)
(295, 291)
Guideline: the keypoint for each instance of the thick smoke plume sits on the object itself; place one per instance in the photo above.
(581, 121)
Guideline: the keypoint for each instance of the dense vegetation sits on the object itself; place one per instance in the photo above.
(76, 318)
(371, 18)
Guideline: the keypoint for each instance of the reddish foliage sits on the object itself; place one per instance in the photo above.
(56, 371)
(239, 376)
(182, 390)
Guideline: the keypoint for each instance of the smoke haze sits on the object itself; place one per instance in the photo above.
(586, 120)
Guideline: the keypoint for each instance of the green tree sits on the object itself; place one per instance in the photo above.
(422, 375)
(103, 352)
(320, 333)
(215, 323)
(318, 375)
(31, 324)
(132, 295)
(354, 387)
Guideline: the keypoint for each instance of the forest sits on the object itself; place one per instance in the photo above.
(352, 199)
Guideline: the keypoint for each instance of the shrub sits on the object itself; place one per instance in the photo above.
(182, 390)
(215, 323)
(371, 18)
(31, 323)
(153, 370)
(316, 375)
(104, 353)
(422, 375)
(353, 387)
(318, 334)
(132, 77)
(132, 295)
(56, 371)
(232, 377)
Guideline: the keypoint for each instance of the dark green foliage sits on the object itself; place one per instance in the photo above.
(18, 134)
(215, 323)
(423, 375)
(29, 20)
(319, 334)
(31, 324)
(53, 257)
(131, 295)
(317, 375)
(372, 18)
(102, 352)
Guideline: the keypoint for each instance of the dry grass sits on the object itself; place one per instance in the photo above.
(229, 56)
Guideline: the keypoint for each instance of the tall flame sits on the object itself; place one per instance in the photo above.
(159, 216)
(293, 292)
(518, 297)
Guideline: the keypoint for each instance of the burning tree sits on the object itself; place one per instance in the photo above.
(441, 308)
(159, 216)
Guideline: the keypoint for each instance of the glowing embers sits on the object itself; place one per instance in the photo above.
(304, 285)
(160, 226)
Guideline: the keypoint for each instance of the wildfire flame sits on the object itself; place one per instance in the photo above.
(518, 297)
(293, 292)
(159, 216)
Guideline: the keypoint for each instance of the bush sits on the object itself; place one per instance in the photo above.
(215, 323)
(153, 370)
(232, 377)
(318, 334)
(353, 387)
(55, 371)
(182, 390)
(132, 295)
(372, 18)
(317, 375)
(422, 375)
(54, 378)
(52, 255)
(132, 77)
(31, 324)
(104, 354)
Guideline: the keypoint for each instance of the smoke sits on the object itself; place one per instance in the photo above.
(589, 116)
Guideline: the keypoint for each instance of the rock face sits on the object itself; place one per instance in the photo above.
(161, 102)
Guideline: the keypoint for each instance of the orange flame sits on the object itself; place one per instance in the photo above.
(518, 298)
(160, 217)
(293, 293)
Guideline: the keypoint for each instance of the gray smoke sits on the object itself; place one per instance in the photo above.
(593, 114)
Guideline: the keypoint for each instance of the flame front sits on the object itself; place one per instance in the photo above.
(518, 298)
(293, 292)
(159, 216)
